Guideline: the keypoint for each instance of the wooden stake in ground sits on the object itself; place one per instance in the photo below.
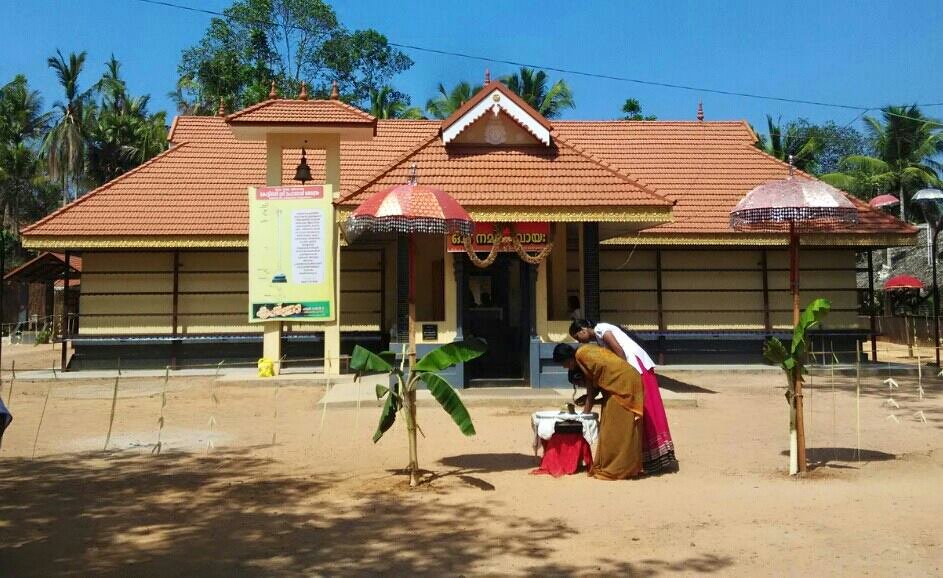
(111, 420)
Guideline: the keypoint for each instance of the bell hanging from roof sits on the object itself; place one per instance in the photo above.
(303, 171)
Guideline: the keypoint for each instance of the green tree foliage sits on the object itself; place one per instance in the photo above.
(64, 145)
(387, 102)
(26, 192)
(906, 144)
(632, 110)
(448, 101)
(120, 133)
(816, 148)
(288, 41)
(534, 87)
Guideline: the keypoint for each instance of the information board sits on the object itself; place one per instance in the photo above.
(291, 253)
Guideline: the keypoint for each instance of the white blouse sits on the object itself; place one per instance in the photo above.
(633, 351)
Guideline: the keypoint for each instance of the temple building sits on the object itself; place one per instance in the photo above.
(621, 221)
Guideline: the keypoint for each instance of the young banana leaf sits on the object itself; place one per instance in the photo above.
(451, 354)
(364, 362)
(449, 400)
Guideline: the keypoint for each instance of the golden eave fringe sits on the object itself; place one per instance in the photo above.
(136, 242)
(653, 216)
(754, 240)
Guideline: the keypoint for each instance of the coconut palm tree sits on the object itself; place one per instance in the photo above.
(448, 101)
(390, 103)
(531, 85)
(789, 141)
(906, 143)
(64, 147)
(21, 124)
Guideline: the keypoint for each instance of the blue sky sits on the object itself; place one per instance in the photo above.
(859, 53)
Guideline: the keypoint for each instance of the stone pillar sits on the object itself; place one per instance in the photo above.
(332, 331)
(272, 340)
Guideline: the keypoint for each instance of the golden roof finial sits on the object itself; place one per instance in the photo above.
(335, 93)
(221, 111)
(273, 92)
(303, 95)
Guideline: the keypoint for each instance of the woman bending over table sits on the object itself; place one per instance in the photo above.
(619, 452)
(658, 450)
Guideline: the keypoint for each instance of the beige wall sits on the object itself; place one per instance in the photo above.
(132, 293)
(721, 289)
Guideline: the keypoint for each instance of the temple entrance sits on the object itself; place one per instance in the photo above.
(497, 307)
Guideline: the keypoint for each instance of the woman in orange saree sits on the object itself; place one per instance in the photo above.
(619, 452)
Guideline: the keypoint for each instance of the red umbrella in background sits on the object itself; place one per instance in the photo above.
(903, 282)
(883, 201)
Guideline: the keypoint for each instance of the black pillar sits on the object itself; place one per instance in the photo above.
(459, 266)
(871, 308)
(591, 271)
(402, 289)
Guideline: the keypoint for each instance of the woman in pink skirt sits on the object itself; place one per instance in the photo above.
(658, 452)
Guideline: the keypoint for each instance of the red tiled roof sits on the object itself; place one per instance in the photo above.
(198, 187)
(706, 167)
(45, 266)
(525, 176)
(305, 112)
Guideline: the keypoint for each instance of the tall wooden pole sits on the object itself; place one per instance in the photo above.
(936, 302)
(411, 394)
(65, 314)
(797, 378)
(871, 306)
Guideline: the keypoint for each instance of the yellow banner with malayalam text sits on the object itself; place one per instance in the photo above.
(291, 253)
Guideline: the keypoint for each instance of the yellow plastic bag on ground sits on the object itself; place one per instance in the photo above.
(266, 368)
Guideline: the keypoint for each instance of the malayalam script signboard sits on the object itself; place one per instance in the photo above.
(291, 253)
(531, 236)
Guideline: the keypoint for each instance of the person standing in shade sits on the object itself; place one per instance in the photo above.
(658, 452)
(619, 452)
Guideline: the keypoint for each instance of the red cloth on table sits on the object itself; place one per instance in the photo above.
(563, 453)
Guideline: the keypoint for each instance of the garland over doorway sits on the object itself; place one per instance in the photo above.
(508, 241)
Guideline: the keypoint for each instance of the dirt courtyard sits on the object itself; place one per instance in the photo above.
(258, 479)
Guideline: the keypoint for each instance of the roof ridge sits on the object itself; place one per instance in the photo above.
(392, 165)
(352, 108)
(103, 187)
(643, 186)
(173, 127)
(249, 109)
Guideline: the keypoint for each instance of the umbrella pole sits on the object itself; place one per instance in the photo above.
(796, 378)
(411, 393)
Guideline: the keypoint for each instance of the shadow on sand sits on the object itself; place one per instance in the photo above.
(839, 458)
(232, 513)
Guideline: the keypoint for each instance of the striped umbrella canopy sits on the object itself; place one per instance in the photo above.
(882, 201)
(903, 282)
(410, 208)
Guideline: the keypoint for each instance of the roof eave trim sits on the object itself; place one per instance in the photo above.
(496, 102)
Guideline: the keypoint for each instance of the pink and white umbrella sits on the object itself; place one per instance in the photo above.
(883, 201)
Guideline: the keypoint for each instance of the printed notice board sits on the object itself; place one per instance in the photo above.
(291, 253)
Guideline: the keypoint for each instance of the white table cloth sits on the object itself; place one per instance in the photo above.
(543, 424)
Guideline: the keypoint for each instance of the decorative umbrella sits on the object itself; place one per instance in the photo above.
(795, 205)
(883, 201)
(903, 282)
(409, 209)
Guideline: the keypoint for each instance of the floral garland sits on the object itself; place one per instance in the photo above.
(507, 240)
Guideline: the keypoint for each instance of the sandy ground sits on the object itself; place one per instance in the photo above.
(257, 480)
(28, 356)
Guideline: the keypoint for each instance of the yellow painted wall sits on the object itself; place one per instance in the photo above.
(721, 289)
(213, 287)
